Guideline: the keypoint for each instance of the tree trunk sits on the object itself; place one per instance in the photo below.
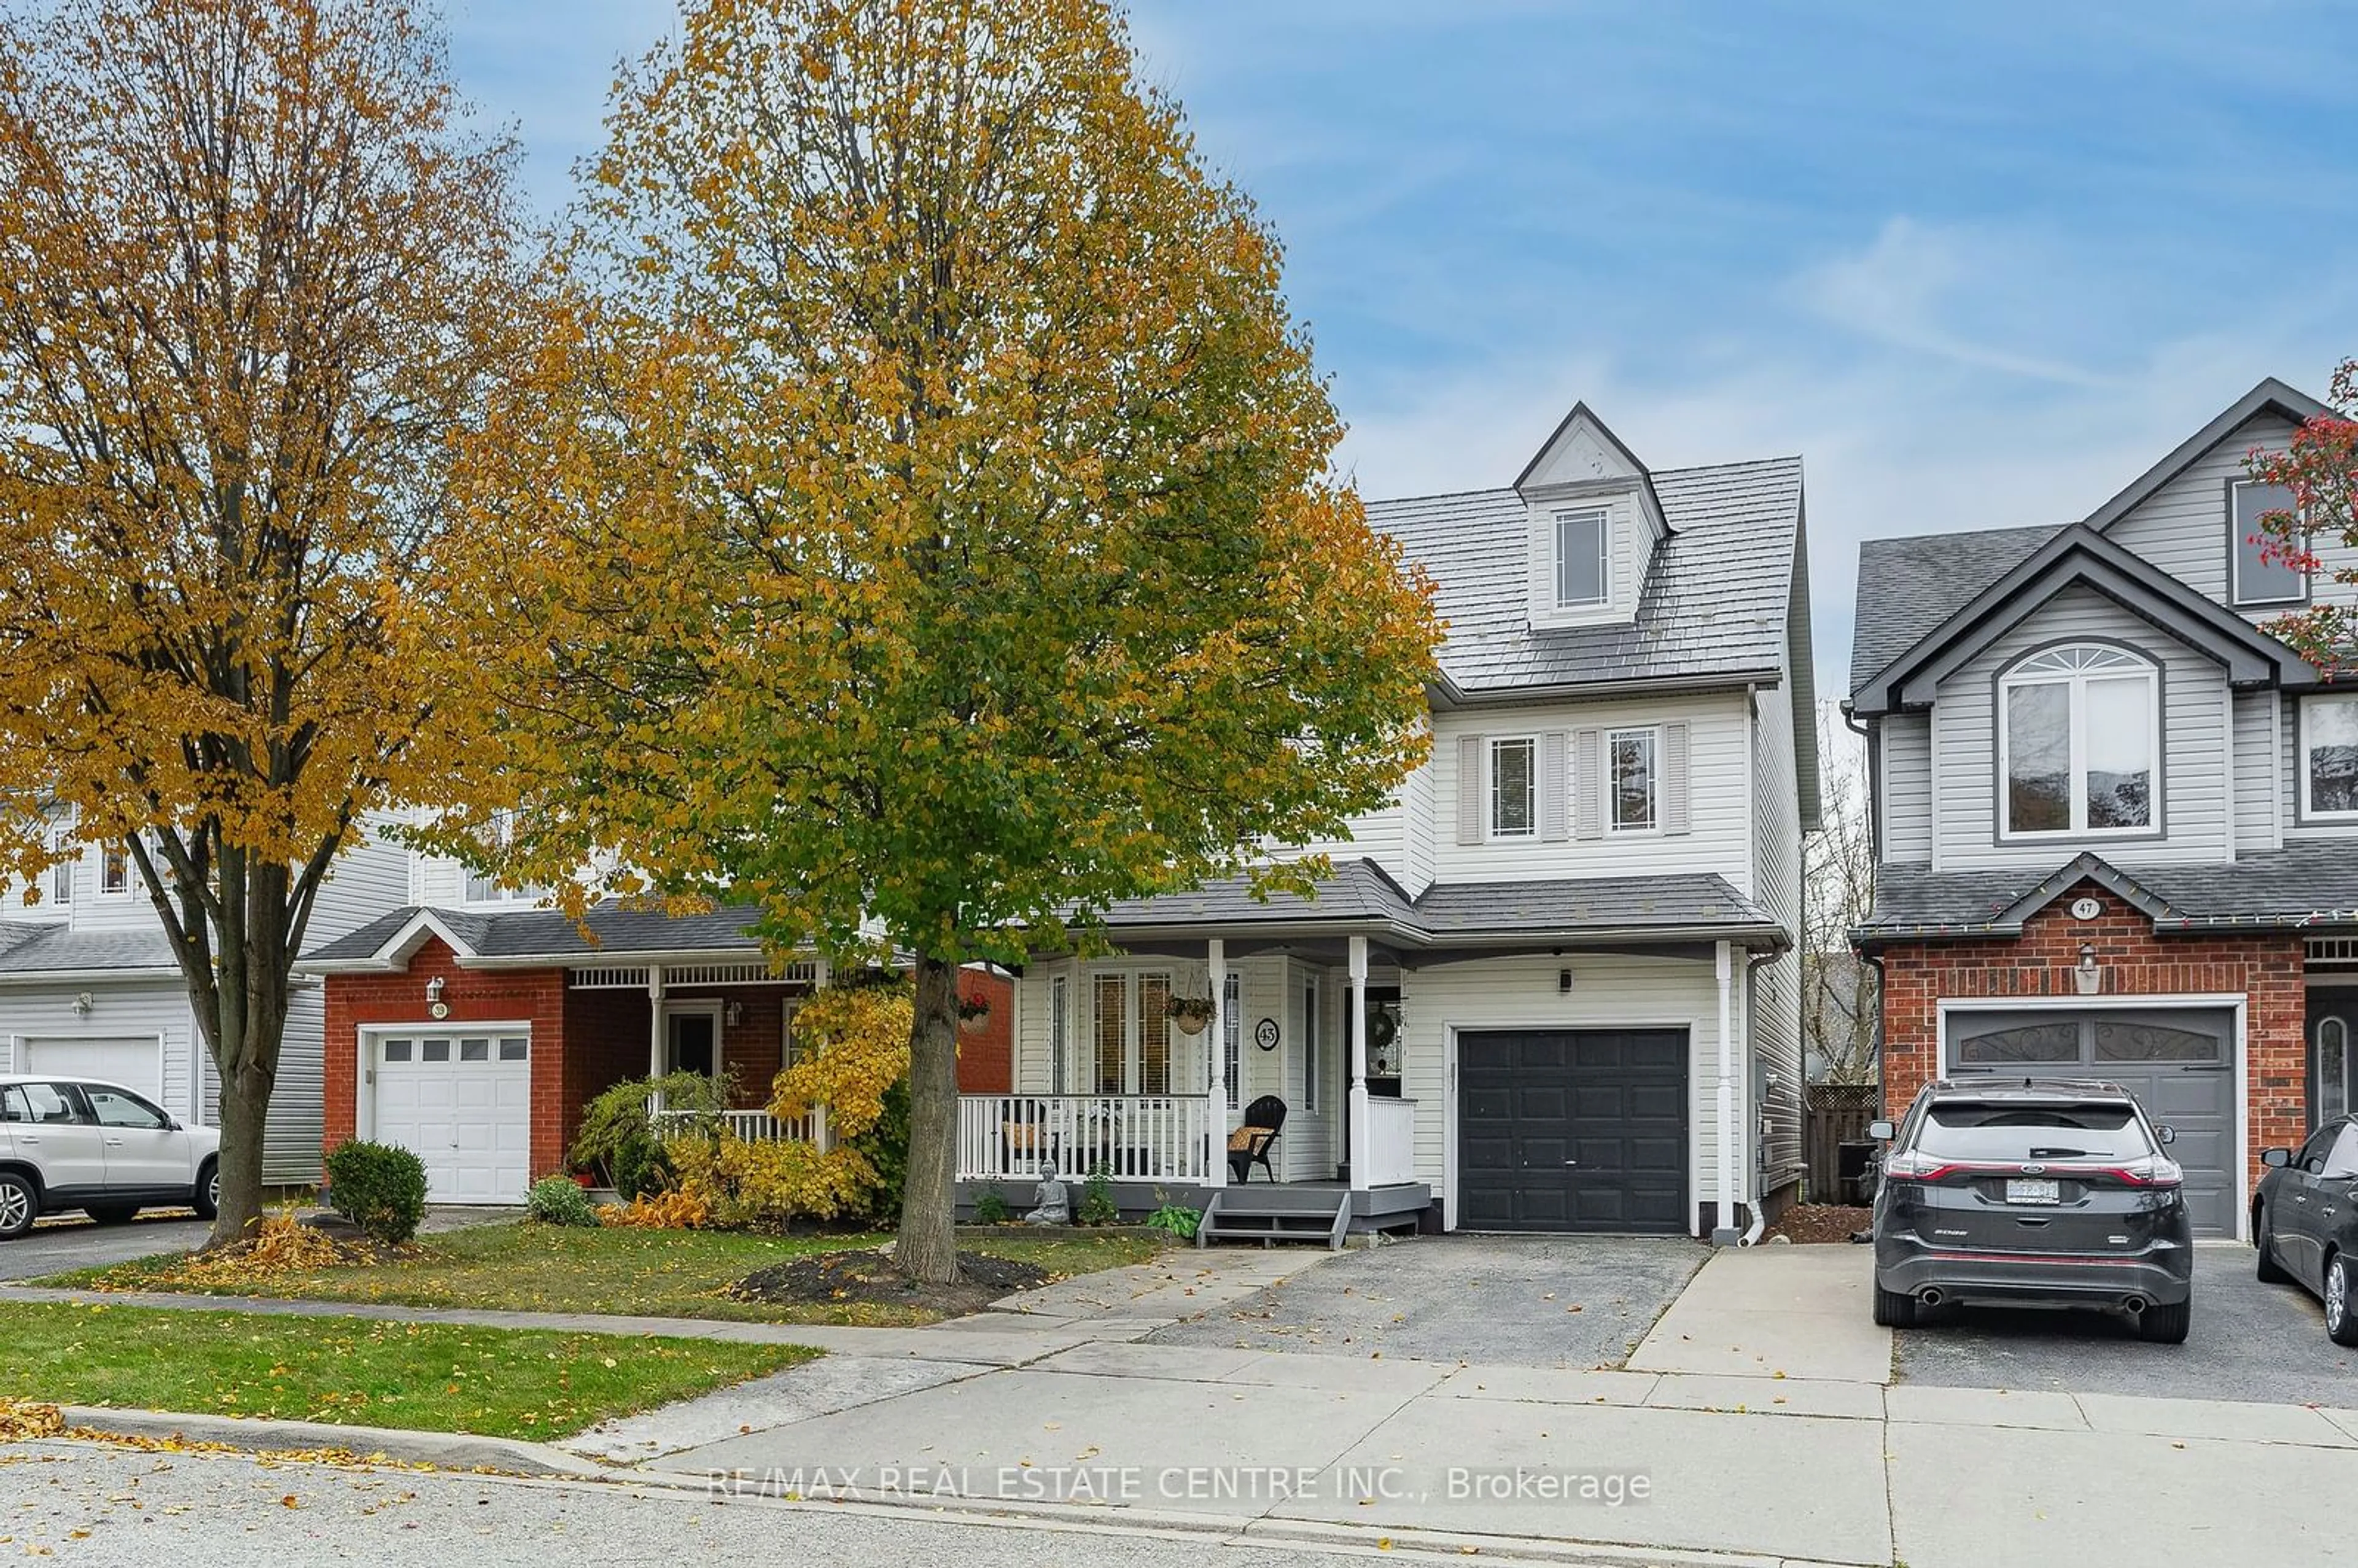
(245, 1113)
(927, 1249)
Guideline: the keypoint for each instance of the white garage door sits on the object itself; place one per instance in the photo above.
(134, 1063)
(463, 1103)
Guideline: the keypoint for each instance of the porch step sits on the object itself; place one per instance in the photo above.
(1274, 1214)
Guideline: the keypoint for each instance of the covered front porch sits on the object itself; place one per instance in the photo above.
(1263, 1072)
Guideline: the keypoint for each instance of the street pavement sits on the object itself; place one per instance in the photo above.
(70, 1241)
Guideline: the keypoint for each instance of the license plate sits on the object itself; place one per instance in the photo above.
(2024, 1190)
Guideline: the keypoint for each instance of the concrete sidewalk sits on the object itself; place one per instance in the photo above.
(1815, 1469)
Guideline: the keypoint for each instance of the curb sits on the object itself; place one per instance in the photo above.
(443, 1450)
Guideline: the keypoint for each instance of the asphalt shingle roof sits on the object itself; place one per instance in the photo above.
(2314, 887)
(29, 948)
(1714, 601)
(551, 934)
(1361, 893)
(1907, 588)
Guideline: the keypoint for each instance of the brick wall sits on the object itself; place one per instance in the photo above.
(474, 995)
(987, 1056)
(2264, 968)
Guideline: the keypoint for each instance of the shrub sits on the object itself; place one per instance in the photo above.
(1097, 1206)
(766, 1186)
(378, 1187)
(885, 1146)
(559, 1200)
(1175, 1219)
(662, 1211)
(990, 1206)
(856, 1063)
(618, 1144)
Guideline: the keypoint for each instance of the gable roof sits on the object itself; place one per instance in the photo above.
(1713, 609)
(2270, 396)
(531, 938)
(2278, 890)
(2078, 556)
(1908, 586)
(1584, 417)
(31, 952)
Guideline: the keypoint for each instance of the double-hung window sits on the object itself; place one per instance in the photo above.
(1583, 561)
(2079, 743)
(1635, 788)
(482, 888)
(2260, 577)
(1515, 788)
(2329, 759)
(115, 870)
(61, 875)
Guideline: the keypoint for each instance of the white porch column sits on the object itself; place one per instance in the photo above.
(655, 1019)
(1358, 1111)
(1216, 1114)
(1724, 1231)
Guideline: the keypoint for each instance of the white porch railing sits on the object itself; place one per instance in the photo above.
(1163, 1138)
(1392, 1140)
(751, 1126)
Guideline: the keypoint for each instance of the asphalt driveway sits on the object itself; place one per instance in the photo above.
(70, 1241)
(2249, 1341)
(1557, 1300)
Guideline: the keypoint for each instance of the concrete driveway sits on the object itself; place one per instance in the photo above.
(2249, 1341)
(1529, 1301)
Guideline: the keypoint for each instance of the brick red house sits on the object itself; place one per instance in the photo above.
(2116, 821)
(476, 1037)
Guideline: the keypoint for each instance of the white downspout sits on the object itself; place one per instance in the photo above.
(1723, 1232)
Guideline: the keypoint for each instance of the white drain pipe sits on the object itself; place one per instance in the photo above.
(1723, 1232)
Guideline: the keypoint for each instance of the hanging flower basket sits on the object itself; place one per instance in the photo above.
(1193, 1014)
(972, 1015)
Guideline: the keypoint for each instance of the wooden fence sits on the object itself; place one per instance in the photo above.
(1833, 1115)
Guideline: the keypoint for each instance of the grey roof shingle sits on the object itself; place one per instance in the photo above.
(28, 949)
(1714, 603)
(551, 934)
(2314, 887)
(1907, 588)
(1361, 894)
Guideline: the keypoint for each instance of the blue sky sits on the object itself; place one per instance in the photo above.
(1978, 264)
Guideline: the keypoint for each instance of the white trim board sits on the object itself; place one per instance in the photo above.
(2235, 1003)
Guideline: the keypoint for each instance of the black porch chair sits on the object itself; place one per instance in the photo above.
(1249, 1145)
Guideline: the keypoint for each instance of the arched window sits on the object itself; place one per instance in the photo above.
(2079, 743)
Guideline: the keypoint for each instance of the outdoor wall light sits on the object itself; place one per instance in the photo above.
(2089, 978)
(1564, 982)
(434, 1003)
(83, 1003)
(733, 1014)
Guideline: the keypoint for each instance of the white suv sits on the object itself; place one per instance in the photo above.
(69, 1143)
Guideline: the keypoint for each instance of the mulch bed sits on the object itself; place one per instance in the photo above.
(868, 1278)
(1822, 1222)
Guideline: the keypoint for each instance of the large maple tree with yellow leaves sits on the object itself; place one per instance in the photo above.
(934, 537)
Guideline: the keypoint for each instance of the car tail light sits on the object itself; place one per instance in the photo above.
(1914, 1167)
(2153, 1171)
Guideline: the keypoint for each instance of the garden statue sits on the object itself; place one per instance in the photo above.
(1051, 1206)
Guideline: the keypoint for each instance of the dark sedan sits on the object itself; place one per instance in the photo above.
(2305, 1221)
(2028, 1192)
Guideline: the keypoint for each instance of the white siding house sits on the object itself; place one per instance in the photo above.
(1550, 985)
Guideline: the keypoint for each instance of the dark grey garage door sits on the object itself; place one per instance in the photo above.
(1573, 1130)
(2180, 1063)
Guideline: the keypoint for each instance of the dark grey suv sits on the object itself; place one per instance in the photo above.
(2039, 1191)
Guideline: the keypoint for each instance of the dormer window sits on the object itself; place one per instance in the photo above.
(2259, 579)
(2079, 737)
(1583, 542)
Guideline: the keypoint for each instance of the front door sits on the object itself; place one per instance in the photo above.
(692, 1043)
(2332, 1050)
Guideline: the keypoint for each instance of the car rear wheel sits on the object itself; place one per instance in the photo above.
(2271, 1271)
(1893, 1309)
(206, 1196)
(2166, 1324)
(2340, 1323)
(20, 1204)
(113, 1213)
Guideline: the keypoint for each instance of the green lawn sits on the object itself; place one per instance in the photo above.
(356, 1372)
(524, 1267)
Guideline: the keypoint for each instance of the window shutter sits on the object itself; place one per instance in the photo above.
(1469, 789)
(1554, 765)
(1676, 817)
(1588, 784)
